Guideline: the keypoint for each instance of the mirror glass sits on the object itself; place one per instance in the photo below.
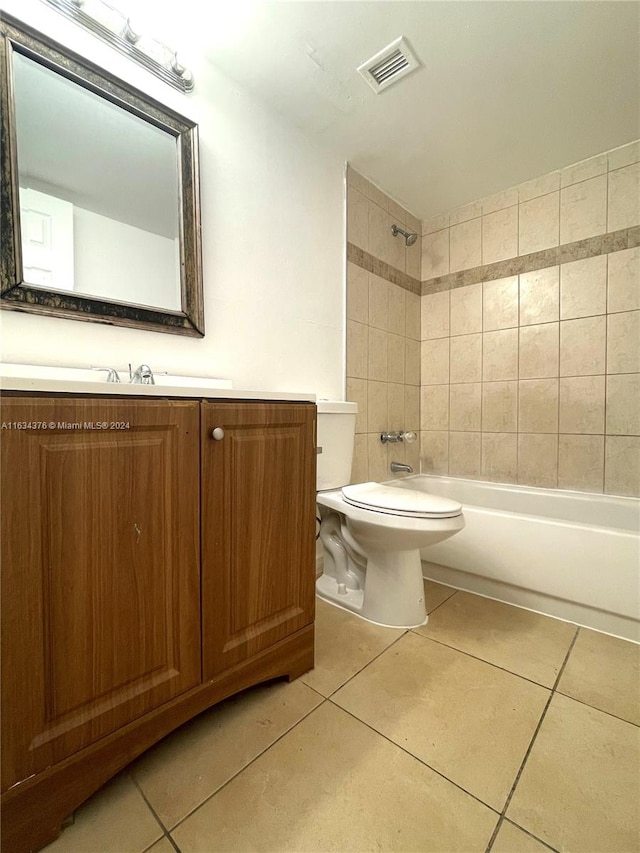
(98, 194)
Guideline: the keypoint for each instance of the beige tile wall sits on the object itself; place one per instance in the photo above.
(535, 378)
(383, 332)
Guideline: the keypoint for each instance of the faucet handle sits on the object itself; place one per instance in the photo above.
(399, 435)
(112, 374)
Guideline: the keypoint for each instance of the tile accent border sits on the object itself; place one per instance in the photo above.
(603, 244)
(368, 262)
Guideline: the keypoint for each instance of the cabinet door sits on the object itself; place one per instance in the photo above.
(100, 570)
(258, 528)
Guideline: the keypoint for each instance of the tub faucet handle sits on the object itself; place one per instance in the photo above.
(399, 435)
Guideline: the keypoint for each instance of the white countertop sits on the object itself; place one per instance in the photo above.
(197, 387)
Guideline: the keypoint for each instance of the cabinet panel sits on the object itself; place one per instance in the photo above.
(100, 571)
(258, 524)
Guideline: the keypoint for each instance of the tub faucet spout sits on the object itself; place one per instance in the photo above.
(401, 467)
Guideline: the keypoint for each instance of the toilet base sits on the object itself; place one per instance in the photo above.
(393, 595)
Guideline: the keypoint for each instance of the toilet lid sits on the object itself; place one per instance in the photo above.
(398, 501)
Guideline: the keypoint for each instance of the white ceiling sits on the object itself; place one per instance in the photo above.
(508, 90)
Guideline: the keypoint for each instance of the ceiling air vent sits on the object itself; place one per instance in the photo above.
(389, 65)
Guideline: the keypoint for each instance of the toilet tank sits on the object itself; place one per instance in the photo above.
(336, 432)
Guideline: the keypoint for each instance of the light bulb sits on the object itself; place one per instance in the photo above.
(131, 33)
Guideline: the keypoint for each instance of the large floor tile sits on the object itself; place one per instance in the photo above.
(344, 644)
(512, 839)
(465, 718)
(436, 594)
(332, 784)
(188, 766)
(604, 672)
(115, 820)
(580, 788)
(523, 642)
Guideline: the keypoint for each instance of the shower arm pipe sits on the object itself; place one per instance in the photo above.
(410, 237)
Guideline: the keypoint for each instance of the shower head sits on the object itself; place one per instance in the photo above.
(410, 237)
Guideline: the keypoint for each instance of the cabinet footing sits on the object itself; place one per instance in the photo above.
(294, 674)
(33, 811)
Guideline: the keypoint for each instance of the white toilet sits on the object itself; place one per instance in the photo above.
(372, 533)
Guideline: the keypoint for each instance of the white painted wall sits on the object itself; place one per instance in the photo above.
(273, 245)
(119, 261)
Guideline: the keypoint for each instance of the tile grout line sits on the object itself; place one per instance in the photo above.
(606, 363)
(290, 729)
(530, 834)
(415, 757)
(329, 699)
(482, 660)
(325, 699)
(367, 664)
(610, 242)
(595, 707)
(557, 454)
(531, 744)
(518, 674)
(172, 842)
(166, 833)
(449, 383)
(482, 352)
(164, 829)
(245, 766)
(557, 477)
(313, 689)
(519, 327)
(438, 606)
(439, 773)
(404, 633)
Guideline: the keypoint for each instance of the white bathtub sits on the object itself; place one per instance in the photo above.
(567, 554)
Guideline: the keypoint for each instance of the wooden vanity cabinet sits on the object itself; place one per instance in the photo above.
(148, 571)
(100, 573)
(258, 528)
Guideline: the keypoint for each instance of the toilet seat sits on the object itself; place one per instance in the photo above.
(392, 500)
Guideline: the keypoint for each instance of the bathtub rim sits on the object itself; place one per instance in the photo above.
(518, 488)
(624, 502)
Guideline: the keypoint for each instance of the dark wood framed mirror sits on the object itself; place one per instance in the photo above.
(100, 217)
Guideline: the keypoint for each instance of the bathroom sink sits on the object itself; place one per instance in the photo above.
(83, 380)
(87, 374)
(191, 381)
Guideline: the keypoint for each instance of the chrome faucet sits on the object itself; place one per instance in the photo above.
(112, 375)
(401, 467)
(143, 375)
(399, 435)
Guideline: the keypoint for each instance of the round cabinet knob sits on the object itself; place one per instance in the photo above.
(217, 433)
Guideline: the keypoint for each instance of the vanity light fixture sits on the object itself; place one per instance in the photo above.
(114, 26)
